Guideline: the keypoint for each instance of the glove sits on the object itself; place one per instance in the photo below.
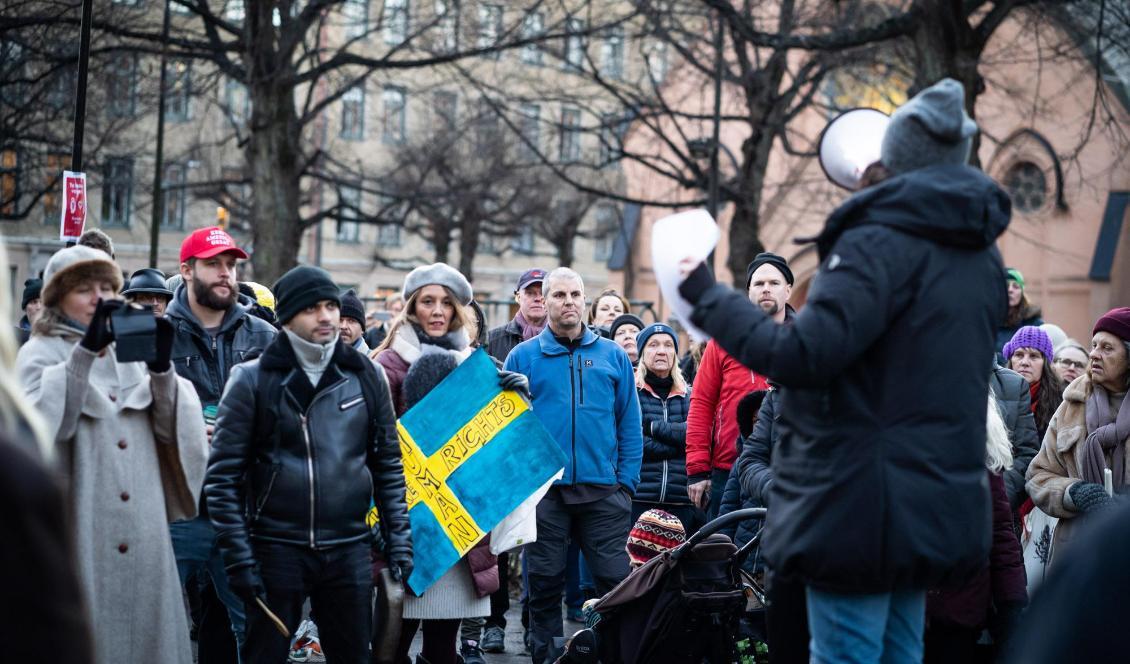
(400, 565)
(512, 380)
(165, 335)
(1004, 622)
(697, 282)
(1089, 497)
(99, 333)
(246, 583)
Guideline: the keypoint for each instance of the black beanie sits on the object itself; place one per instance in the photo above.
(625, 319)
(302, 287)
(772, 259)
(746, 412)
(351, 307)
(32, 289)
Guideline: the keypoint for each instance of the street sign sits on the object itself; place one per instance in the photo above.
(73, 216)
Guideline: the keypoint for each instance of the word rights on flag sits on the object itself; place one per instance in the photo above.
(72, 218)
(472, 454)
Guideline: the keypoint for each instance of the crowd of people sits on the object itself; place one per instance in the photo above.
(905, 429)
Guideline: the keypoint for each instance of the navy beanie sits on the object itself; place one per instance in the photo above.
(653, 329)
(301, 287)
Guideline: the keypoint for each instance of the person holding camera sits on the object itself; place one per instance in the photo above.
(305, 439)
(131, 443)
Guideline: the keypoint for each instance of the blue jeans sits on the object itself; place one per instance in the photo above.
(196, 551)
(865, 629)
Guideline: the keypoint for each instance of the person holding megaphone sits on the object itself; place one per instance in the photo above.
(879, 486)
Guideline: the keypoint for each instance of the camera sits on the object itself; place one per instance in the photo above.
(135, 331)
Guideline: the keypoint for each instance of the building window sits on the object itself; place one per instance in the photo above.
(55, 164)
(234, 11)
(388, 232)
(574, 55)
(396, 22)
(174, 194)
(657, 62)
(126, 3)
(523, 242)
(9, 181)
(117, 191)
(613, 129)
(122, 85)
(353, 113)
(1027, 186)
(178, 8)
(445, 107)
(607, 225)
(612, 53)
(486, 125)
(530, 128)
(237, 103)
(570, 134)
(348, 224)
(447, 23)
(355, 14)
(61, 93)
(393, 99)
(179, 91)
(533, 25)
(490, 27)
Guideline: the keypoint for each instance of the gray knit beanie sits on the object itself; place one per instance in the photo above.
(440, 274)
(932, 129)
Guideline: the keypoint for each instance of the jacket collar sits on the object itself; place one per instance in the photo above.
(279, 356)
(550, 345)
(647, 388)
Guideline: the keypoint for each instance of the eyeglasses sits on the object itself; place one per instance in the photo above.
(1072, 364)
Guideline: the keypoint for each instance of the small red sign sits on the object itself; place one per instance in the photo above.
(73, 217)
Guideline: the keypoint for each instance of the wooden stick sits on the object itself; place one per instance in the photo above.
(1108, 481)
(274, 619)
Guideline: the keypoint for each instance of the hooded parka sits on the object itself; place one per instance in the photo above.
(879, 477)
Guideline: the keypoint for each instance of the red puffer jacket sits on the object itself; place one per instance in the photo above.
(712, 426)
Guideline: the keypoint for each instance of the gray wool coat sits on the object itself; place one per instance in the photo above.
(132, 447)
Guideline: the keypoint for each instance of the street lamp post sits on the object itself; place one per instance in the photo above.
(159, 160)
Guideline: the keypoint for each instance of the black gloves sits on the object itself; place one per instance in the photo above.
(400, 565)
(697, 282)
(512, 380)
(1089, 496)
(246, 583)
(165, 335)
(98, 333)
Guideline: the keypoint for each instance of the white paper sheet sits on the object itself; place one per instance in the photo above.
(686, 235)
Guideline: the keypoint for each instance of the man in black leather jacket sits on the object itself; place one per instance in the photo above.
(305, 438)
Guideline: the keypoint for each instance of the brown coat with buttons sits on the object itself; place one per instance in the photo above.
(1058, 465)
(132, 446)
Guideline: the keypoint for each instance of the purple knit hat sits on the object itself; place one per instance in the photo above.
(1030, 336)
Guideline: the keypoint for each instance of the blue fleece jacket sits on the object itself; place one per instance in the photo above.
(587, 401)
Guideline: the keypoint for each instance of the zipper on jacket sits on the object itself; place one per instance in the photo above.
(310, 474)
(663, 481)
(573, 418)
(581, 377)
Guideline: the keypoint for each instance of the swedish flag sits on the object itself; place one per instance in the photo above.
(472, 453)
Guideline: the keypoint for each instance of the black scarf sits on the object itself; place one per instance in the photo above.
(454, 340)
(661, 386)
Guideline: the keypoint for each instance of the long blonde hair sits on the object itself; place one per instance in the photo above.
(998, 449)
(679, 384)
(463, 319)
(17, 415)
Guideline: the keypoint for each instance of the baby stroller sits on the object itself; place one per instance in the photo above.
(684, 606)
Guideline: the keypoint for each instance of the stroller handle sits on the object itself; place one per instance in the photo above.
(716, 525)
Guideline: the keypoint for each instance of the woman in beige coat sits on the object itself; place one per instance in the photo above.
(130, 442)
(1089, 433)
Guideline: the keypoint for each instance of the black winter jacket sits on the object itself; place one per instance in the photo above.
(755, 474)
(315, 491)
(879, 472)
(205, 361)
(663, 475)
(735, 498)
(502, 339)
(1015, 404)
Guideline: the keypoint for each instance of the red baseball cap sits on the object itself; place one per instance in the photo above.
(208, 242)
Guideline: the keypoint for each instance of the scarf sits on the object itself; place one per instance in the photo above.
(529, 330)
(1106, 430)
(661, 386)
(1034, 393)
(456, 340)
(312, 358)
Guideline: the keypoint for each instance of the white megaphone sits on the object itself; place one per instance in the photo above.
(850, 143)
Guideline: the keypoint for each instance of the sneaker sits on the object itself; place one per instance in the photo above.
(471, 653)
(527, 641)
(494, 640)
(575, 615)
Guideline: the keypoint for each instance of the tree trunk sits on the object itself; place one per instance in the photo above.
(566, 245)
(468, 244)
(745, 224)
